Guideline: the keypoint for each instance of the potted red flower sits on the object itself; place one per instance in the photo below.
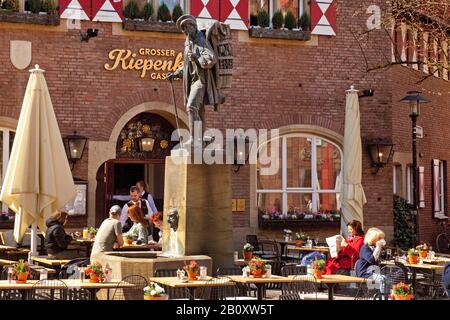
(257, 267)
(423, 249)
(402, 291)
(192, 270)
(248, 251)
(413, 256)
(21, 270)
(318, 268)
(95, 272)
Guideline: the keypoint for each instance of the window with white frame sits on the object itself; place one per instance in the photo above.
(270, 6)
(439, 175)
(6, 142)
(308, 179)
(397, 180)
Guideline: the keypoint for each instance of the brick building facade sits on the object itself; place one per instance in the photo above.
(295, 86)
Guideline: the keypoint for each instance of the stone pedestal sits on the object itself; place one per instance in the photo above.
(202, 195)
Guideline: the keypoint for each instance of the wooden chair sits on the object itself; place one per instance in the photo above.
(136, 292)
(49, 290)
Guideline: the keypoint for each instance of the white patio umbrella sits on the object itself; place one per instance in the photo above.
(353, 197)
(38, 179)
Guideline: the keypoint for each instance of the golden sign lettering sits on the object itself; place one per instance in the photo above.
(127, 60)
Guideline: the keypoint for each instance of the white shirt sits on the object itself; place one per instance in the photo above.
(124, 213)
(150, 202)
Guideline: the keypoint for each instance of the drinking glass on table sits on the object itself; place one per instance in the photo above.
(85, 233)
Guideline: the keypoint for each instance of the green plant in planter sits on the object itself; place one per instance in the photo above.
(413, 252)
(289, 20)
(262, 19)
(48, 6)
(35, 6)
(304, 21)
(177, 12)
(131, 10)
(147, 11)
(277, 19)
(248, 248)
(403, 223)
(164, 13)
(11, 5)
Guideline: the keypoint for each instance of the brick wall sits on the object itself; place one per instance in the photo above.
(275, 84)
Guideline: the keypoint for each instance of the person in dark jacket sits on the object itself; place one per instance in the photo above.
(56, 239)
(446, 278)
(369, 255)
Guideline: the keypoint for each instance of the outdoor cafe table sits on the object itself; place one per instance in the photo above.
(260, 282)
(87, 243)
(26, 288)
(329, 280)
(51, 263)
(322, 249)
(283, 243)
(192, 286)
(418, 267)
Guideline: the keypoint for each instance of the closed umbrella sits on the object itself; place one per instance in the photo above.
(38, 179)
(353, 197)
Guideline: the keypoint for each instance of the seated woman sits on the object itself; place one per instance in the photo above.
(157, 220)
(139, 229)
(56, 239)
(349, 253)
(369, 255)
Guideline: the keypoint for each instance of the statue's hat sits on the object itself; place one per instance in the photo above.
(186, 18)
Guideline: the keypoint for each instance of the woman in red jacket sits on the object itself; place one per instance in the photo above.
(349, 253)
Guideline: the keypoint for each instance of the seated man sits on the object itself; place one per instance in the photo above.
(56, 238)
(109, 235)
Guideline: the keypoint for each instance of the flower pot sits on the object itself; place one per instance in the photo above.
(258, 273)
(423, 254)
(22, 277)
(298, 243)
(94, 279)
(413, 259)
(403, 297)
(129, 241)
(152, 297)
(192, 276)
(318, 274)
(248, 255)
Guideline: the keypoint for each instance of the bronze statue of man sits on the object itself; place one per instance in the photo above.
(200, 85)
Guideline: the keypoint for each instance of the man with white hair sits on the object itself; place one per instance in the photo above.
(109, 235)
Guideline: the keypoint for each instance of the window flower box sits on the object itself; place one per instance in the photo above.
(151, 25)
(29, 18)
(294, 34)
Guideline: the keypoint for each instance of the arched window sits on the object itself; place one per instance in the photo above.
(307, 181)
(6, 142)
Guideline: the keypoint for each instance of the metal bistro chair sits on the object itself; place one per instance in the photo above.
(49, 290)
(253, 240)
(174, 293)
(276, 265)
(8, 294)
(70, 270)
(136, 292)
(292, 269)
(290, 297)
(248, 290)
(270, 250)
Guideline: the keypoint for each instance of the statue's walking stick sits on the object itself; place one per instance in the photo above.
(176, 112)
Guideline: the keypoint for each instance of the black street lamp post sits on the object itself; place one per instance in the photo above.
(414, 99)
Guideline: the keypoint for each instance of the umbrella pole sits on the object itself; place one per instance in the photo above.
(33, 245)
